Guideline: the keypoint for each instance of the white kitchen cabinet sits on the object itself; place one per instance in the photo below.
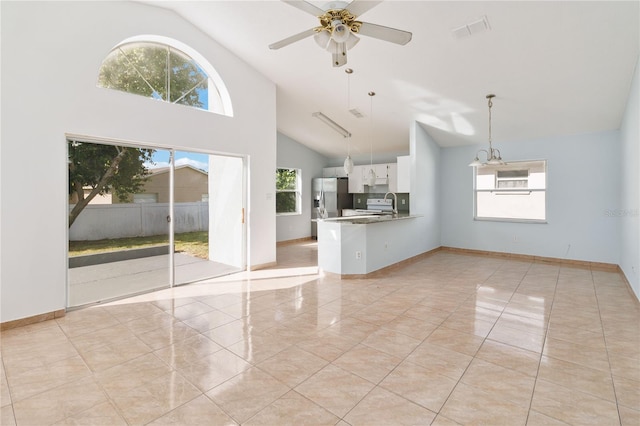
(330, 172)
(382, 171)
(403, 174)
(379, 169)
(392, 172)
(356, 180)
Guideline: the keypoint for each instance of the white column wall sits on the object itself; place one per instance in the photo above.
(51, 53)
(629, 210)
(424, 190)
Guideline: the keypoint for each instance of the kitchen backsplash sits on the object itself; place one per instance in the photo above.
(360, 200)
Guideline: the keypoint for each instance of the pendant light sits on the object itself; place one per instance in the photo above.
(371, 176)
(348, 162)
(494, 158)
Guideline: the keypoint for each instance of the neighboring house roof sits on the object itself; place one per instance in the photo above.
(160, 170)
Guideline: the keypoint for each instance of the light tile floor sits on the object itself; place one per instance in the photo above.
(451, 339)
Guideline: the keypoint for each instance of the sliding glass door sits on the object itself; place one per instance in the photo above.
(118, 228)
(144, 218)
(208, 221)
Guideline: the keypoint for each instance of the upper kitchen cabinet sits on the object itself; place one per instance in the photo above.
(356, 183)
(330, 172)
(403, 174)
(381, 171)
(392, 172)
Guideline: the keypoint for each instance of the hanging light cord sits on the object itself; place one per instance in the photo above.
(490, 105)
(494, 157)
(349, 71)
(371, 95)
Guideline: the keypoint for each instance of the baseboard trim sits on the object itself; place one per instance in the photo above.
(628, 285)
(32, 320)
(295, 241)
(262, 266)
(596, 266)
(387, 269)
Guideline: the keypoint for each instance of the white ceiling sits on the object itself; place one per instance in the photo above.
(557, 68)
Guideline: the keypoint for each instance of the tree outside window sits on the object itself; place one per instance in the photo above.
(288, 191)
(156, 71)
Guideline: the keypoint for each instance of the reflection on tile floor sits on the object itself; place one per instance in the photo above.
(450, 339)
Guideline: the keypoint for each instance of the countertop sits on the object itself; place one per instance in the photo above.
(368, 219)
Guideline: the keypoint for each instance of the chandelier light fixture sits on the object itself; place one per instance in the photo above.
(371, 176)
(348, 162)
(494, 158)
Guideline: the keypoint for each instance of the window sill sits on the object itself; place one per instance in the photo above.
(500, 219)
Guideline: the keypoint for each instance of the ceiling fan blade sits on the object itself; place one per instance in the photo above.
(305, 7)
(385, 33)
(292, 39)
(357, 7)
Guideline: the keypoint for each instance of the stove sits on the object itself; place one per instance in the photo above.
(380, 205)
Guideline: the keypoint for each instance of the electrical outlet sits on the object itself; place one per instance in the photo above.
(358, 255)
(404, 201)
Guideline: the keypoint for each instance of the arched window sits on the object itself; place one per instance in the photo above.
(160, 68)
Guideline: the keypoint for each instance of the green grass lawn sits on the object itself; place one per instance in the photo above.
(192, 243)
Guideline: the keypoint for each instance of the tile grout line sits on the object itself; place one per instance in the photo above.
(606, 348)
(544, 343)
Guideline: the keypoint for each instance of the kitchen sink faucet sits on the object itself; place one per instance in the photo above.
(395, 201)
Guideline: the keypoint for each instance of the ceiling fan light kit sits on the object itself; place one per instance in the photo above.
(322, 39)
(338, 28)
(494, 158)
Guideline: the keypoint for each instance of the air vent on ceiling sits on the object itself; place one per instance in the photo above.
(476, 26)
(356, 113)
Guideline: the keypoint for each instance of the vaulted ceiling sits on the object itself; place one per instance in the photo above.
(556, 68)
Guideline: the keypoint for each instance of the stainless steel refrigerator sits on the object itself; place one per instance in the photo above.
(329, 197)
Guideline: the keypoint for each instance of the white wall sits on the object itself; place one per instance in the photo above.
(291, 154)
(424, 190)
(629, 214)
(51, 53)
(583, 178)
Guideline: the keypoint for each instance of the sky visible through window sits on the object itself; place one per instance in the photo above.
(194, 159)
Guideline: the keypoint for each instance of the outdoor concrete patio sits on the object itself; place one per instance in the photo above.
(108, 281)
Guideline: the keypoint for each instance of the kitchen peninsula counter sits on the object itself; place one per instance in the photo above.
(373, 218)
(359, 245)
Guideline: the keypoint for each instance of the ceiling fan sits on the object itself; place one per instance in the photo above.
(338, 27)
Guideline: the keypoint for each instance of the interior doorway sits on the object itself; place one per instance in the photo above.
(168, 223)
